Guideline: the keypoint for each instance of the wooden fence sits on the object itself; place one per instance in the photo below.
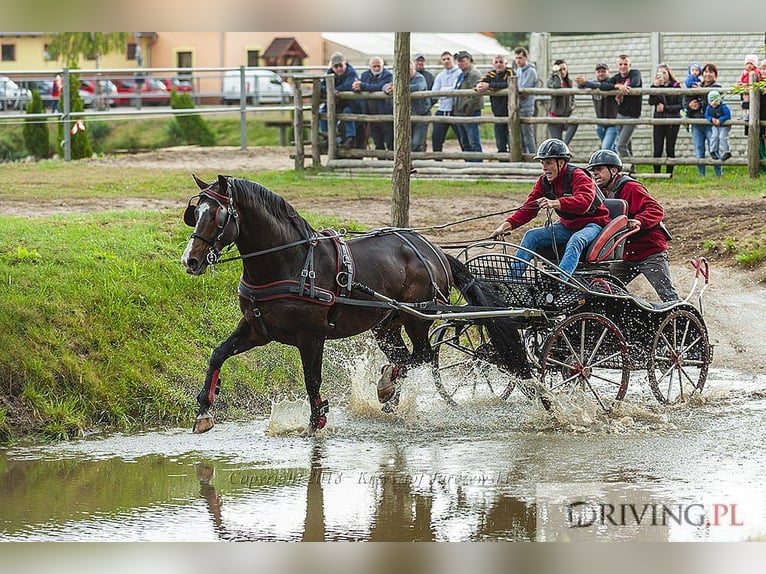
(514, 120)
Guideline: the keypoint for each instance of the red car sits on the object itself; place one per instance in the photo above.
(179, 84)
(153, 92)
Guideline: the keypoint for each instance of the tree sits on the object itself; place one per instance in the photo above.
(512, 40)
(400, 176)
(35, 130)
(72, 46)
(80, 140)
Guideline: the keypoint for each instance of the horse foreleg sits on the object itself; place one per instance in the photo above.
(242, 339)
(311, 358)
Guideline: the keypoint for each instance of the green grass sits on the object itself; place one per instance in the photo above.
(104, 329)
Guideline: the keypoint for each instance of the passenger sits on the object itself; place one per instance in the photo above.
(645, 252)
(571, 192)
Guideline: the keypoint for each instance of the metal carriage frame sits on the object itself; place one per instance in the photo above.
(587, 335)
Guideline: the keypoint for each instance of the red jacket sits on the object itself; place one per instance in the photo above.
(576, 200)
(642, 206)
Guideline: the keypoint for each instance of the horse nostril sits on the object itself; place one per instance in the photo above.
(192, 264)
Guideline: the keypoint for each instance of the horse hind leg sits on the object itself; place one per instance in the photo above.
(390, 340)
(241, 340)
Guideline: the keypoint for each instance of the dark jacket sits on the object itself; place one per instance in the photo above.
(722, 113)
(372, 83)
(604, 106)
(631, 105)
(641, 206)
(561, 106)
(673, 104)
(498, 82)
(468, 105)
(418, 84)
(701, 98)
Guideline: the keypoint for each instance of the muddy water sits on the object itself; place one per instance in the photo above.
(485, 471)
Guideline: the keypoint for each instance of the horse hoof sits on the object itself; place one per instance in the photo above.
(386, 386)
(203, 423)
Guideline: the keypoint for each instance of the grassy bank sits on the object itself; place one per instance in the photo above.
(102, 328)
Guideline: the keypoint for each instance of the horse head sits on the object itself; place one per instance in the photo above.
(215, 221)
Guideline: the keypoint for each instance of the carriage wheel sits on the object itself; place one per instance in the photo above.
(680, 357)
(586, 351)
(464, 366)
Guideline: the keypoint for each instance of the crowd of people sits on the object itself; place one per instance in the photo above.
(460, 73)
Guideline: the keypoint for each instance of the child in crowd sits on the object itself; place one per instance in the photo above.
(718, 113)
(750, 73)
(693, 80)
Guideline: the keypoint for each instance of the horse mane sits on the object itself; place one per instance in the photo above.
(249, 194)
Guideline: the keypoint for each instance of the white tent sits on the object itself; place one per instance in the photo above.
(359, 47)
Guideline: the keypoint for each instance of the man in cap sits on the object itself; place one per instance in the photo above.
(345, 76)
(645, 252)
(468, 106)
(494, 80)
(604, 106)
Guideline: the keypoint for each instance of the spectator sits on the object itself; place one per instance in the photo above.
(665, 106)
(628, 107)
(571, 192)
(58, 84)
(527, 75)
(762, 118)
(468, 106)
(375, 80)
(494, 80)
(604, 106)
(419, 108)
(645, 252)
(345, 75)
(561, 106)
(695, 105)
(693, 78)
(444, 80)
(718, 113)
(420, 67)
(749, 75)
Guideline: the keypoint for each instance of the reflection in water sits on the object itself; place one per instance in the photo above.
(435, 477)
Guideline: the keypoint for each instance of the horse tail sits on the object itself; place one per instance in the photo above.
(503, 331)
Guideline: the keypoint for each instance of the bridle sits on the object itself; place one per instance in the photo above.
(225, 214)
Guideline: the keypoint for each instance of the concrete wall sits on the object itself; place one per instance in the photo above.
(677, 49)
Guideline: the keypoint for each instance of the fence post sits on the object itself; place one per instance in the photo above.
(298, 123)
(331, 121)
(242, 110)
(316, 91)
(514, 123)
(66, 120)
(754, 134)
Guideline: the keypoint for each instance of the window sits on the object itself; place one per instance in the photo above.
(8, 53)
(253, 57)
(131, 53)
(183, 60)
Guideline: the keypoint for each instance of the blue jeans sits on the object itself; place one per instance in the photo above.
(562, 131)
(501, 137)
(608, 137)
(700, 136)
(468, 136)
(419, 133)
(539, 237)
(349, 128)
(528, 144)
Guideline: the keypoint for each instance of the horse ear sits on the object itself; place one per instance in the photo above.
(223, 183)
(201, 184)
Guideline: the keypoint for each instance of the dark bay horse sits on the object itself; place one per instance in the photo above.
(301, 287)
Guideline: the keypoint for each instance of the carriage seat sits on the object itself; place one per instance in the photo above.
(610, 242)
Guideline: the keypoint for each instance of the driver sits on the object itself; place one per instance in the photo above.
(645, 252)
(571, 192)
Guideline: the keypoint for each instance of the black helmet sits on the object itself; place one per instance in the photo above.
(553, 149)
(605, 157)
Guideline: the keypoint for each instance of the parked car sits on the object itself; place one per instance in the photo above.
(153, 92)
(87, 91)
(12, 96)
(262, 86)
(178, 84)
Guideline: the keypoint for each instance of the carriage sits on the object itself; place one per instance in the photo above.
(590, 334)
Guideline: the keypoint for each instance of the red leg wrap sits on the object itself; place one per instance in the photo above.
(213, 390)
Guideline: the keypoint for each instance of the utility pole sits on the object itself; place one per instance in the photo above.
(400, 177)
